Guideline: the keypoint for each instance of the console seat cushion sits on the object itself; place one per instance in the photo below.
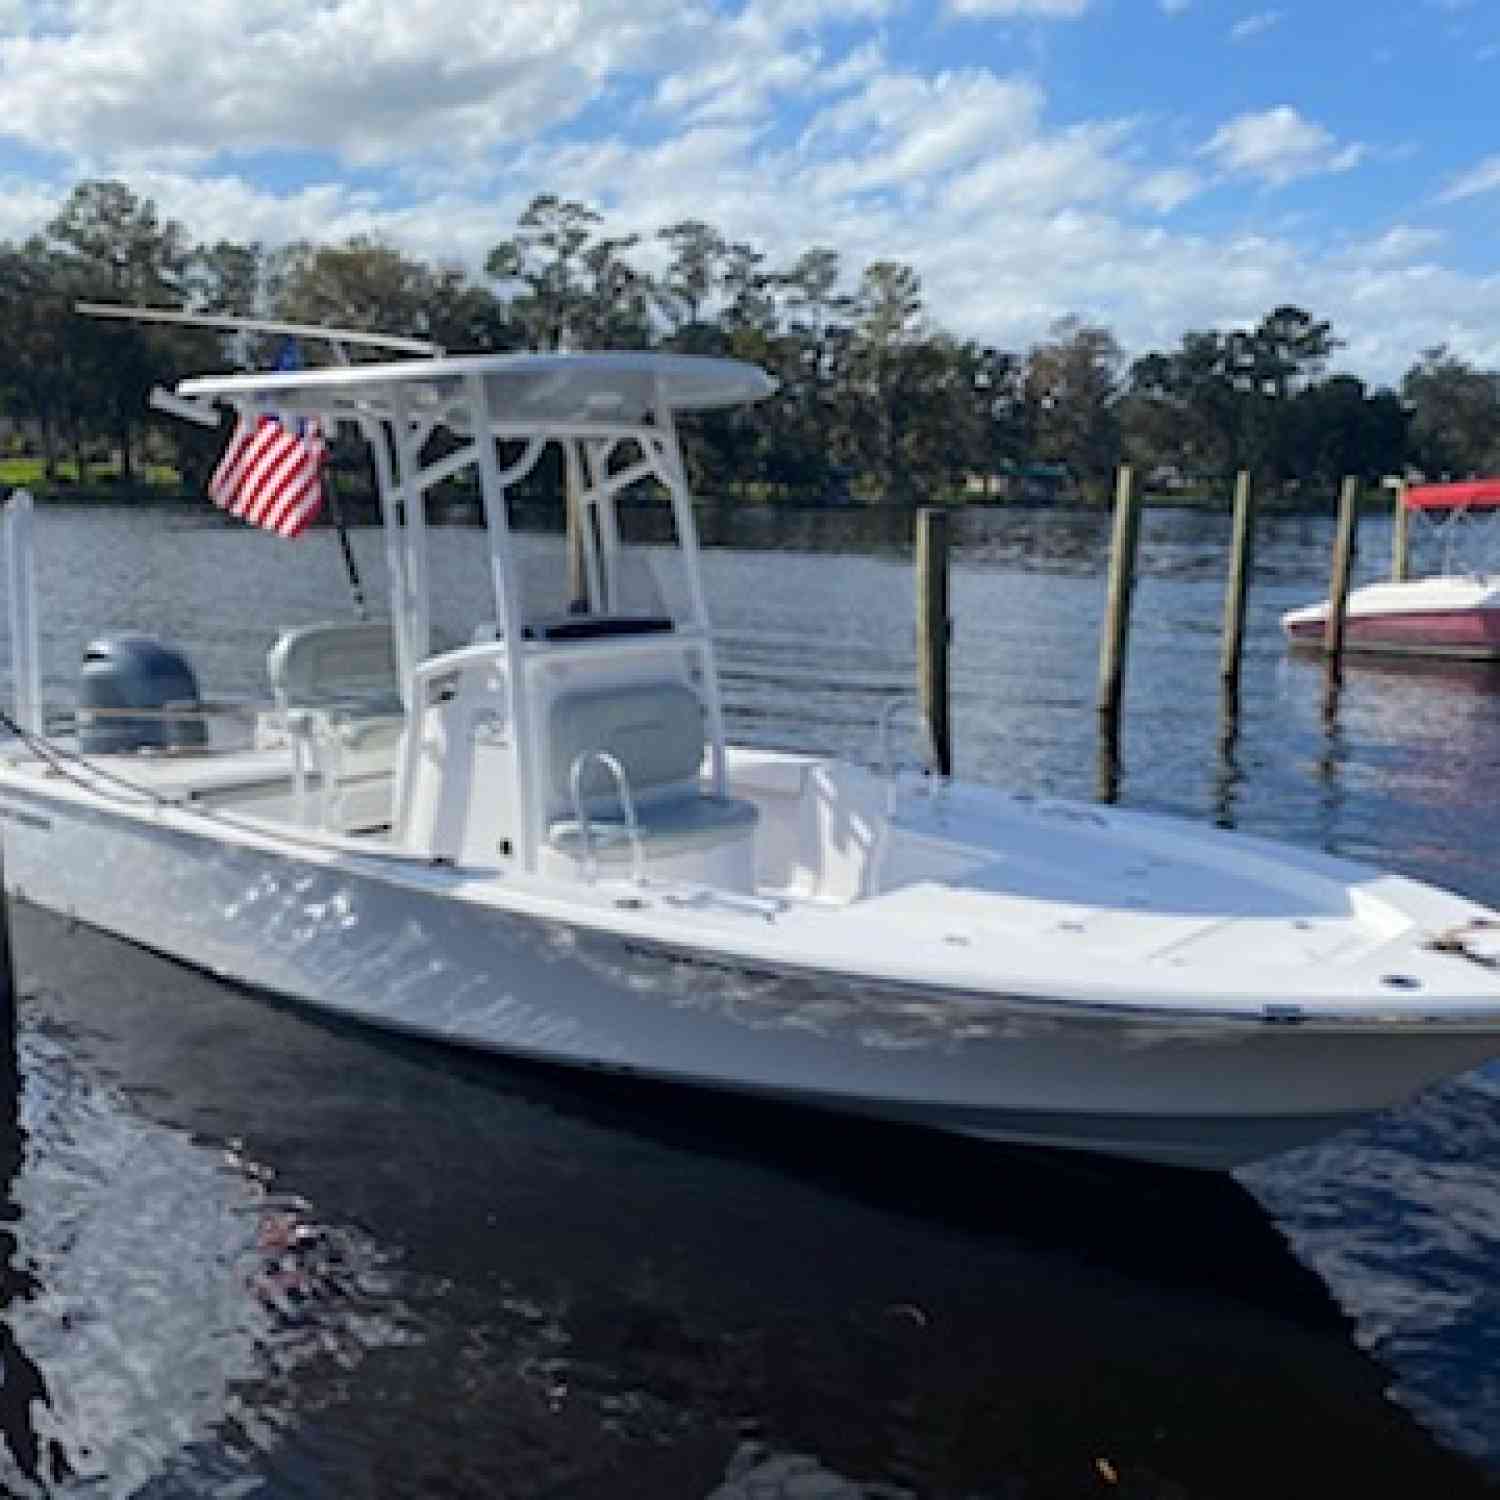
(676, 827)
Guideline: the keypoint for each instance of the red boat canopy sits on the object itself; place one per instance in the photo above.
(1470, 493)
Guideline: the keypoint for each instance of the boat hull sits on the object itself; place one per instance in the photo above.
(410, 949)
(1444, 617)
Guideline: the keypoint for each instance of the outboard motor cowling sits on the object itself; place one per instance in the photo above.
(136, 671)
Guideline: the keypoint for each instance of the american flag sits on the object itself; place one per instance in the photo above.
(271, 474)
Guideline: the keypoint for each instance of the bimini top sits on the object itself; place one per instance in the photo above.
(524, 391)
(1469, 494)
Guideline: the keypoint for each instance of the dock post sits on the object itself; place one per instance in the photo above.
(934, 632)
(1241, 560)
(1400, 536)
(1116, 631)
(1343, 563)
(1107, 763)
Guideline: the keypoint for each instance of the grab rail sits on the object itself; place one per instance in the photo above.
(582, 760)
(885, 765)
(26, 666)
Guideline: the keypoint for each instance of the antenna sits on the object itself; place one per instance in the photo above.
(335, 337)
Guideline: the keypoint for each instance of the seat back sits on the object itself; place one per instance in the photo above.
(654, 729)
(336, 664)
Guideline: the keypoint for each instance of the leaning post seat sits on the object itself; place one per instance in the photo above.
(654, 731)
(337, 664)
(337, 697)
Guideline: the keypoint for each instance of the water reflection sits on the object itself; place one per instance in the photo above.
(1227, 772)
(22, 1388)
(163, 1304)
(1402, 1220)
(1107, 775)
(611, 1288)
(1428, 677)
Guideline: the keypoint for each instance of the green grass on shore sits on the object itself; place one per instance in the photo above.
(30, 473)
(162, 484)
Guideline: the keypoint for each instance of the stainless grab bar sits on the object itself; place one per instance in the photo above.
(900, 701)
(581, 761)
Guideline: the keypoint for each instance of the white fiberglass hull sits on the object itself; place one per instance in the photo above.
(421, 949)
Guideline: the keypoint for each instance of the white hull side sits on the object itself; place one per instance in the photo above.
(405, 949)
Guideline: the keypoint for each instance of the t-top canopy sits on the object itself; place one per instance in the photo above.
(537, 391)
(1470, 494)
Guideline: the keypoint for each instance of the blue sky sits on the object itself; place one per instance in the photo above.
(1155, 165)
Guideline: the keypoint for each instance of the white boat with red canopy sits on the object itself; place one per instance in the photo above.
(1454, 613)
(541, 843)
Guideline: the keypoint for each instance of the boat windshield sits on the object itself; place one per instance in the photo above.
(645, 589)
(621, 569)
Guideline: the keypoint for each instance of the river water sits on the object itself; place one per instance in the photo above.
(255, 1253)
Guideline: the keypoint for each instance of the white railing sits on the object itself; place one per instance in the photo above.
(25, 660)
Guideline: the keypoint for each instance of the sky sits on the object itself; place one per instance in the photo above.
(1152, 165)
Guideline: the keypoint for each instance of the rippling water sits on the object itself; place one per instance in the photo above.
(255, 1253)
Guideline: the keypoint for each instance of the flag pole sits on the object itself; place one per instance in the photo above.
(336, 512)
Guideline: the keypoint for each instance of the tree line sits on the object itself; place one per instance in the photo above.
(875, 401)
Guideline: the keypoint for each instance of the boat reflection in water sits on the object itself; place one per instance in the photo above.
(161, 1299)
(589, 1286)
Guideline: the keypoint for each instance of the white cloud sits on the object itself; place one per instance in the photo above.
(859, 66)
(26, 206)
(725, 89)
(773, 20)
(769, 49)
(902, 128)
(362, 79)
(1074, 167)
(227, 207)
(1400, 244)
(1043, 8)
(1279, 146)
(1167, 189)
(1484, 178)
(1252, 26)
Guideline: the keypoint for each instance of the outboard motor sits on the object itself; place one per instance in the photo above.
(136, 671)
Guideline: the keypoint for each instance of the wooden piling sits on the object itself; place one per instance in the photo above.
(1400, 537)
(1241, 560)
(934, 632)
(1343, 563)
(1227, 772)
(1107, 763)
(1116, 630)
